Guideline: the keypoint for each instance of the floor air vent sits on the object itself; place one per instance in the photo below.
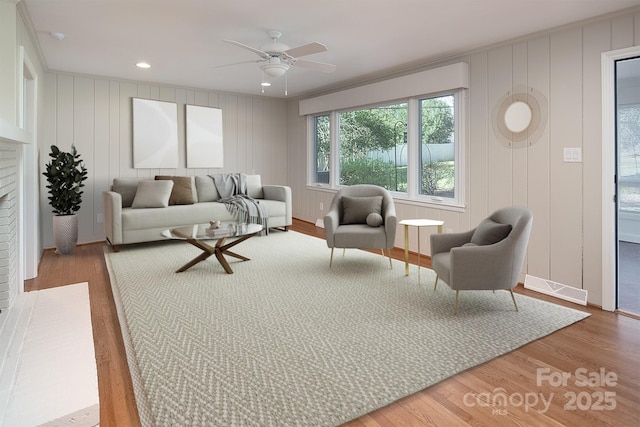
(558, 290)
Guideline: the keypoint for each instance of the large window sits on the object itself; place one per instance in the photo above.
(409, 147)
(437, 147)
(371, 143)
(321, 148)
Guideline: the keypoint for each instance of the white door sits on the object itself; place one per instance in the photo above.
(620, 203)
(627, 78)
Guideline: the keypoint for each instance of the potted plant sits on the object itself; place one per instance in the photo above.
(66, 174)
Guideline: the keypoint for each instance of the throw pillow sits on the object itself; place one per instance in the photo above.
(489, 232)
(374, 220)
(206, 189)
(254, 187)
(182, 193)
(152, 194)
(127, 189)
(356, 209)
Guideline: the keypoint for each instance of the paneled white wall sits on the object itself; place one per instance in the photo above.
(565, 198)
(95, 114)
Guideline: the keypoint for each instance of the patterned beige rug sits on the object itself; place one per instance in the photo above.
(286, 341)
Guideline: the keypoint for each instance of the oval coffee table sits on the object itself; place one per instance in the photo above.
(198, 234)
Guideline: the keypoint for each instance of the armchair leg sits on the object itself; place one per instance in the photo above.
(513, 297)
(435, 285)
(383, 254)
(331, 258)
(455, 307)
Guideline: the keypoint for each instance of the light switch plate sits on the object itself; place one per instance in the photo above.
(572, 155)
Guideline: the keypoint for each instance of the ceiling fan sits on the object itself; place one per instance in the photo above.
(277, 58)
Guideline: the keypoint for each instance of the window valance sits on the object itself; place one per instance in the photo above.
(449, 77)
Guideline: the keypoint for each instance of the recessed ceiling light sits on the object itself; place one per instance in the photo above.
(56, 35)
(265, 84)
(143, 65)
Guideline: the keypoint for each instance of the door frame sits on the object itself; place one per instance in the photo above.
(29, 193)
(609, 207)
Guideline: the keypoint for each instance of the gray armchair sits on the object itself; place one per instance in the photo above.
(349, 223)
(489, 257)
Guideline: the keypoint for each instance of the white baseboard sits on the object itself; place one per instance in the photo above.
(558, 290)
(320, 223)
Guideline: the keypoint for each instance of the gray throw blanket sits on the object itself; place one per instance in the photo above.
(233, 193)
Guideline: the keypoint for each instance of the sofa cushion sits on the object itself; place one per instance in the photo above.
(356, 209)
(489, 232)
(182, 192)
(127, 188)
(274, 208)
(173, 216)
(152, 194)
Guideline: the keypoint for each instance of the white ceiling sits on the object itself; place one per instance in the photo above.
(182, 39)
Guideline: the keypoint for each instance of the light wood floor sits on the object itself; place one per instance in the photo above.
(603, 341)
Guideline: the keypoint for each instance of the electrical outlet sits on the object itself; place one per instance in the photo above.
(321, 206)
(99, 218)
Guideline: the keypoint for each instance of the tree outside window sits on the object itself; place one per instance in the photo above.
(371, 146)
(437, 148)
(322, 148)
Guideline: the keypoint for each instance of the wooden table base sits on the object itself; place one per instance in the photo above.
(219, 250)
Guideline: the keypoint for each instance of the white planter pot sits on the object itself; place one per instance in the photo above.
(65, 233)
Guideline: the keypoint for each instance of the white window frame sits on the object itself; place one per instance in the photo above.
(459, 101)
(413, 165)
(312, 161)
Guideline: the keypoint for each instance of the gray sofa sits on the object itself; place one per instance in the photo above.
(130, 219)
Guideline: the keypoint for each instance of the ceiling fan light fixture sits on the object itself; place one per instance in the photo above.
(275, 70)
(277, 58)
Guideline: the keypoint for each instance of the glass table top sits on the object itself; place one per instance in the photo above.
(206, 231)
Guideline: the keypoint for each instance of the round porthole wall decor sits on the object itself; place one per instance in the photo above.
(519, 118)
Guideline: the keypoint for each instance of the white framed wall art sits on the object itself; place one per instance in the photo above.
(204, 137)
(155, 134)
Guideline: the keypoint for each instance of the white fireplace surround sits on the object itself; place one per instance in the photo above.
(12, 140)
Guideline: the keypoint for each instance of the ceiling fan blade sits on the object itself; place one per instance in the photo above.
(260, 53)
(235, 63)
(306, 49)
(315, 66)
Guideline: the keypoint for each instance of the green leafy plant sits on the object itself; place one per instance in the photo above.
(65, 174)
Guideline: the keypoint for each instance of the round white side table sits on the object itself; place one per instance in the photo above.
(418, 223)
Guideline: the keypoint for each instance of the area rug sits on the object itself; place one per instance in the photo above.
(288, 341)
(56, 381)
